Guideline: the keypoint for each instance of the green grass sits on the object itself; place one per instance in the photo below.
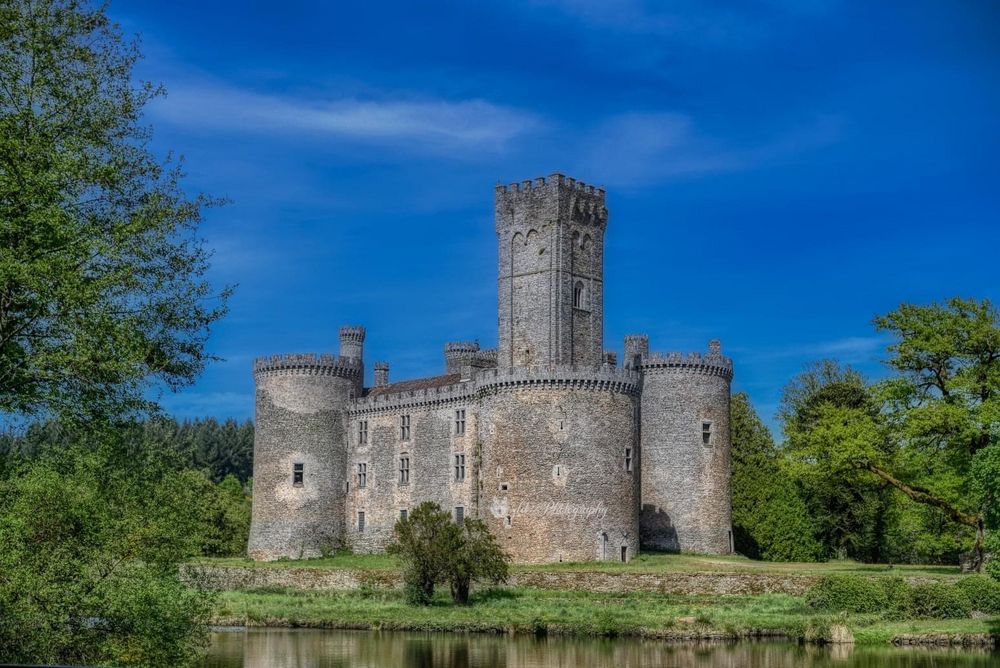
(569, 612)
(645, 563)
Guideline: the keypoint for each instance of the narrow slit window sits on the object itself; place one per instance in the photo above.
(362, 475)
(578, 295)
(459, 514)
(628, 459)
(706, 433)
(459, 467)
(361, 520)
(460, 422)
(298, 474)
(404, 470)
(404, 428)
(509, 521)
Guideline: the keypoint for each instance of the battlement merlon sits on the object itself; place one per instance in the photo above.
(713, 361)
(308, 364)
(563, 196)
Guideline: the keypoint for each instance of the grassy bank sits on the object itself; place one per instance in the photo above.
(514, 610)
(645, 563)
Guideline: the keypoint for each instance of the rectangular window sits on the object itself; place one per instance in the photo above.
(404, 428)
(460, 422)
(402, 514)
(459, 514)
(404, 470)
(628, 459)
(361, 520)
(459, 467)
(363, 432)
(706, 433)
(298, 474)
(362, 476)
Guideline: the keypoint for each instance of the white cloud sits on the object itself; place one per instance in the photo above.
(636, 149)
(850, 349)
(426, 123)
(692, 21)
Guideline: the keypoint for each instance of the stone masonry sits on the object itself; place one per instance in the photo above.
(564, 455)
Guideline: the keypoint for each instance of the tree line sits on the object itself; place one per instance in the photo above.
(906, 469)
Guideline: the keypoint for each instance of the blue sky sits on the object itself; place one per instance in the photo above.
(778, 171)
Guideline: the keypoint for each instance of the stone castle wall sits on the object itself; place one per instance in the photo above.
(301, 419)
(554, 481)
(685, 482)
(430, 450)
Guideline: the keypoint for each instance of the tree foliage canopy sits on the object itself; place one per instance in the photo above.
(101, 269)
(770, 519)
(434, 549)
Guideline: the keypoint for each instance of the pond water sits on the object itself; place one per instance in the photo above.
(283, 648)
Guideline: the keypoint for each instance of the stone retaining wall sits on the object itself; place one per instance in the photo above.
(230, 578)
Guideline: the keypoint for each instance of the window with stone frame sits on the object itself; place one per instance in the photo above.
(361, 520)
(362, 432)
(298, 474)
(459, 467)
(404, 427)
(706, 432)
(459, 514)
(404, 470)
(362, 475)
(460, 422)
(403, 514)
(628, 459)
(579, 295)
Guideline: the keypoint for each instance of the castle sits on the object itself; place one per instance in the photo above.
(564, 454)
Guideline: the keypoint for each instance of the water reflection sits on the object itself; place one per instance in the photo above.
(273, 648)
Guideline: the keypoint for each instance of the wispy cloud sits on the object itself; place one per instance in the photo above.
(708, 24)
(850, 349)
(423, 123)
(643, 148)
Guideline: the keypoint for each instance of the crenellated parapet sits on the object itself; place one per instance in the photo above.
(713, 362)
(393, 401)
(601, 379)
(572, 199)
(308, 364)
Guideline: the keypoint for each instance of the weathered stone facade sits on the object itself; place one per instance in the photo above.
(565, 456)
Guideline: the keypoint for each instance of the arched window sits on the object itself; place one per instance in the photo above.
(578, 295)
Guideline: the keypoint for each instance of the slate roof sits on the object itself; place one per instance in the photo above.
(416, 384)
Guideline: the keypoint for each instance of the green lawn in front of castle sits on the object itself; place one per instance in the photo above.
(550, 612)
(644, 563)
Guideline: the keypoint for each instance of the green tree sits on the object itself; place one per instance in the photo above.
(770, 519)
(434, 550)
(101, 269)
(92, 538)
(425, 543)
(478, 558)
(850, 509)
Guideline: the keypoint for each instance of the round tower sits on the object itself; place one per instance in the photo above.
(559, 476)
(300, 451)
(686, 452)
(457, 353)
(352, 342)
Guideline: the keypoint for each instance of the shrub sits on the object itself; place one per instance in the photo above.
(937, 600)
(852, 593)
(983, 593)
